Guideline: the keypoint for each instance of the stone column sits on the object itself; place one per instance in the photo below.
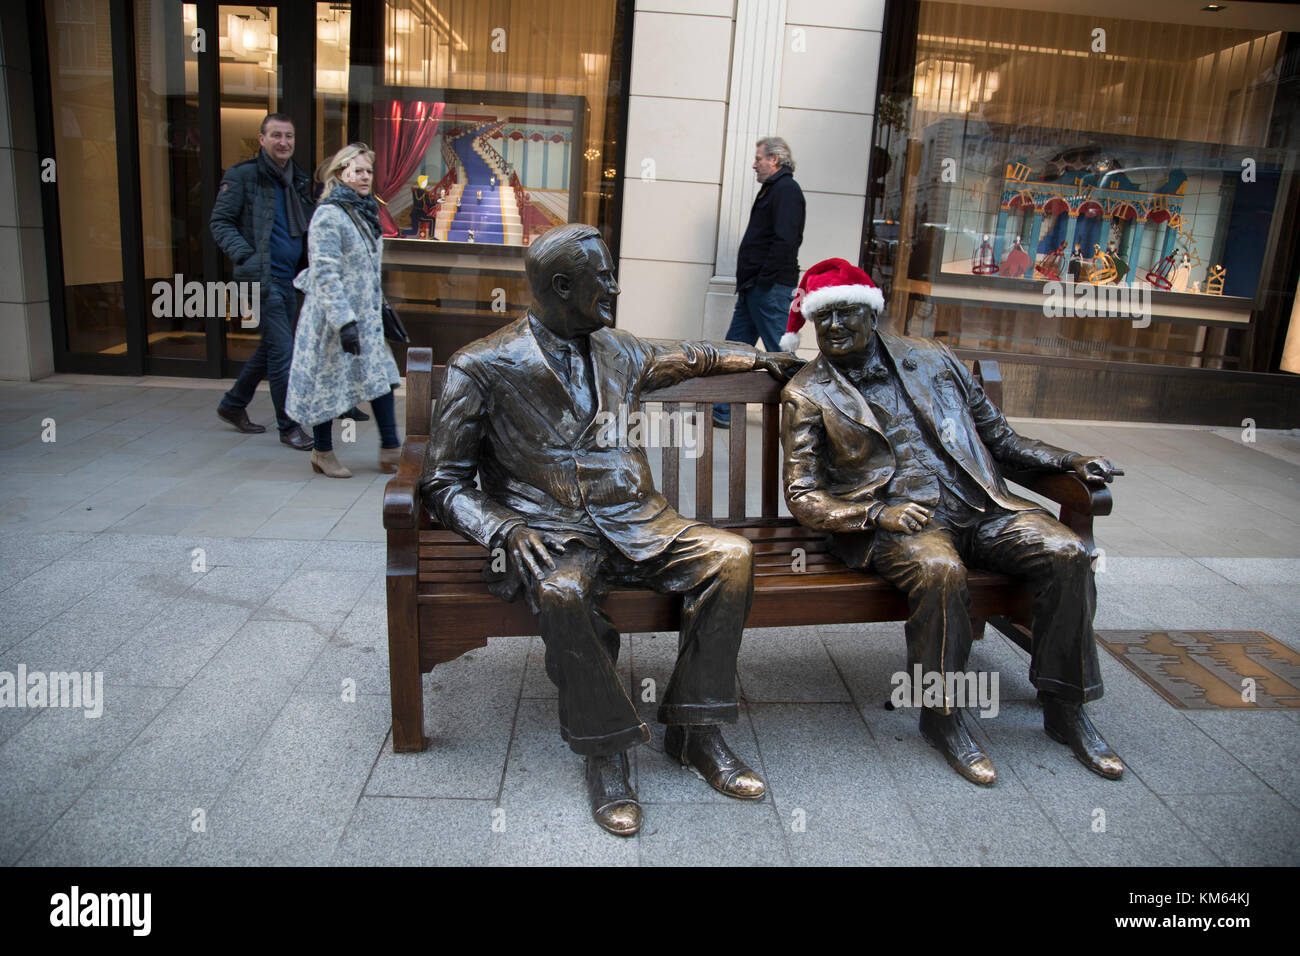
(758, 43)
(26, 345)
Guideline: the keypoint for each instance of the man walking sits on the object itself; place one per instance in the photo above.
(767, 266)
(260, 221)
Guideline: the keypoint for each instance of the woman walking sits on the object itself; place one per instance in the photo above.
(340, 357)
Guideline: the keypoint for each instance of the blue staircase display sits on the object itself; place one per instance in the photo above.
(483, 216)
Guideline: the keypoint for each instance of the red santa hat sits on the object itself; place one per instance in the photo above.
(829, 282)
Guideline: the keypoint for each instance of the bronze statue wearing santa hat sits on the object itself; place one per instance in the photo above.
(893, 448)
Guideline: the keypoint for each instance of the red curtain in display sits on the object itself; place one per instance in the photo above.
(403, 132)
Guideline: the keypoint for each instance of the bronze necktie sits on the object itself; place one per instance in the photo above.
(579, 384)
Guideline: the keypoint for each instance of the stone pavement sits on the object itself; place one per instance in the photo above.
(226, 736)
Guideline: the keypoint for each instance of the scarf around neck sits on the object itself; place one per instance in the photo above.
(367, 207)
(293, 206)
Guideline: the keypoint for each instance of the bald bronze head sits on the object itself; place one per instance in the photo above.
(571, 274)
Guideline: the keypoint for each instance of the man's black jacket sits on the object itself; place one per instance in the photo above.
(243, 215)
(769, 252)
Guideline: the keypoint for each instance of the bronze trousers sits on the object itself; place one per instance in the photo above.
(930, 567)
(712, 570)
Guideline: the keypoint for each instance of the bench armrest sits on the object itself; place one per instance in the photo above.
(1065, 489)
(402, 493)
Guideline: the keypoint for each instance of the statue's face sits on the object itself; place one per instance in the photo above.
(843, 330)
(586, 297)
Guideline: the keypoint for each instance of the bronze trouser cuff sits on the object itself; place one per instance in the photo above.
(1067, 692)
(699, 713)
(607, 744)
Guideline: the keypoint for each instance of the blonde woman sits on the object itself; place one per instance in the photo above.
(340, 357)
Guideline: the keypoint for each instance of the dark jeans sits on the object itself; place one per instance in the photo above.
(930, 567)
(277, 319)
(759, 313)
(712, 570)
(385, 417)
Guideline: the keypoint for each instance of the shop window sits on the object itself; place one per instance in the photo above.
(1038, 152)
(491, 123)
(81, 93)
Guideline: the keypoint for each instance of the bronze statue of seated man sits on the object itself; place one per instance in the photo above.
(525, 410)
(892, 447)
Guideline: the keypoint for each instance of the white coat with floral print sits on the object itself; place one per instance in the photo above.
(342, 285)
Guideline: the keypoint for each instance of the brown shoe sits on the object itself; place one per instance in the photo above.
(614, 803)
(325, 463)
(239, 418)
(947, 734)
(701, 746)
(388, 459)
(295, 437)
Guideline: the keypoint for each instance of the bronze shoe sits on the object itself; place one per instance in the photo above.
(701, 746)
(1067, 723)
(613, 802)
(948, 734)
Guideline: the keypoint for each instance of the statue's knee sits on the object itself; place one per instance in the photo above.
(943, 570)
(561, 588)
(739, 552)
(732, 552)
(1069, 552)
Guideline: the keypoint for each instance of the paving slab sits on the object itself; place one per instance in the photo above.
(292, 799)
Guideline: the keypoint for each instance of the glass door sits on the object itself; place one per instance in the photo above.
(93, 326)
(250, 87)
(167, 97)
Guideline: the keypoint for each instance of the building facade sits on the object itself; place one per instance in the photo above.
(1104, 201)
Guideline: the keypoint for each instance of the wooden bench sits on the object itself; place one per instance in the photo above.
(439, 606)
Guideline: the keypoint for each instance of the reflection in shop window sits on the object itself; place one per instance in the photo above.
(491, 123)
(1023, 158)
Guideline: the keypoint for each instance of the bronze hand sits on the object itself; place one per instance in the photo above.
(907, 518)
(780, 365)
(1094, 469)
(532, 549)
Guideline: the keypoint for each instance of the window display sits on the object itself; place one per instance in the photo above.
(1042, 176)
(479, 168)
(1168, 215)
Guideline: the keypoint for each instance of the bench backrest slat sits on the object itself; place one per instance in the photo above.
(704, 463)
(736, 463)
(670, 457)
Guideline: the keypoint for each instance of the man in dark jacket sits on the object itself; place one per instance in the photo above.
(767, 266)
(260, 221)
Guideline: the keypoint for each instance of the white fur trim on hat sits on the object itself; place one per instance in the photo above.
(842, 294)
(790, 342)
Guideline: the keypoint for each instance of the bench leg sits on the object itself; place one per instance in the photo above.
(977, 627)
(405, 681)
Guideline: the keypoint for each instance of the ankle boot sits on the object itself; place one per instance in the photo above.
(388, 458)
(324, 463)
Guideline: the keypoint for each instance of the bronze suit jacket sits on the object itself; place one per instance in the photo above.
(837, 457)
(505, 415)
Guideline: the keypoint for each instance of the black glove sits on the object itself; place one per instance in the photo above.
(349, 339)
